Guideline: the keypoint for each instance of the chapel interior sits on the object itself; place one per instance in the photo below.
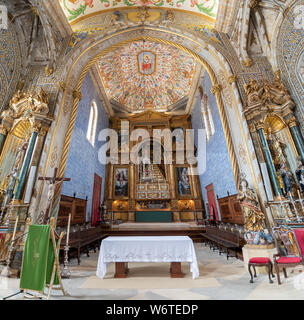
(205, 96)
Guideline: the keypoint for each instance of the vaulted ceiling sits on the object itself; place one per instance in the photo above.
(147, 75)
(80, 9)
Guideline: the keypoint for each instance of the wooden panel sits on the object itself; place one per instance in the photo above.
(75, 206)
(231, 210)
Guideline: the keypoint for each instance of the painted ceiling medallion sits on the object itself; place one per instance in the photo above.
(144, 75)
(75, 9)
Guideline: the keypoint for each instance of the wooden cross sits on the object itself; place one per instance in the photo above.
(52, 181)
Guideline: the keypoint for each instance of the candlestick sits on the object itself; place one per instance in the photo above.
(294, 207)
(68, 231)
(6, 272)
(301, 202)
(66, 273)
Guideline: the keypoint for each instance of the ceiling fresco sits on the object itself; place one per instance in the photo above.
(147, 75)
(80, 9)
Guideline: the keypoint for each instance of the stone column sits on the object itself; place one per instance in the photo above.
(297, 137)
(269, 163)
(34, 165)
(26, 163)
(3, 135)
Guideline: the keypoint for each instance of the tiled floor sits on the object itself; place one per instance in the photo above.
(219, 279)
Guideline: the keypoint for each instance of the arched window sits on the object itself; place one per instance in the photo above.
(91, 133)
(207, 116)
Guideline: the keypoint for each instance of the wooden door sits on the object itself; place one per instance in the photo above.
(96, 198)
(212, 202)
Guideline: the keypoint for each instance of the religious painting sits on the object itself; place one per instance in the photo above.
(121, 185)
(146, 62)
(183, 181)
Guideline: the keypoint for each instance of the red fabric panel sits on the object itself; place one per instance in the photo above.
(259, 260)
(300, 238)
(289, 260)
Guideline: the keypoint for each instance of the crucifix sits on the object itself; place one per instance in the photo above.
(52, 181)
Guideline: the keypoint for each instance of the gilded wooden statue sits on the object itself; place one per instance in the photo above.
(255, 227)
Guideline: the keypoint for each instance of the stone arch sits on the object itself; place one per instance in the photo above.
(81, 58)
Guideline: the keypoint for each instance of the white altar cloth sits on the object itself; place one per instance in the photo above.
(147, 249)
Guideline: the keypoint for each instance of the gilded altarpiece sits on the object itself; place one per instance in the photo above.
(22, 134)
(146, 186)
(269, 111)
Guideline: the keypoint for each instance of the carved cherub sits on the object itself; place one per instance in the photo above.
(251, 87)
(17, 97)
(43, 96)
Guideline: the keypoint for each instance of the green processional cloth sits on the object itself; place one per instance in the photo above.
(38, 259)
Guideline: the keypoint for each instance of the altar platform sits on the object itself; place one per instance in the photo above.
(192, 230)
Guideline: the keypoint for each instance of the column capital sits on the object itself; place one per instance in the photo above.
(77, 95)
(217, 88)
(292, 122)
(233, 78)
(43, 131)
(259, 125)
(36, 126)
(3, 130)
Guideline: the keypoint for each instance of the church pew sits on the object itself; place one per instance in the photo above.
(223, 240)
(84, 241)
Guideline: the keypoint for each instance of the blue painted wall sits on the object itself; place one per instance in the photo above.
(83, 157)
(218, 165)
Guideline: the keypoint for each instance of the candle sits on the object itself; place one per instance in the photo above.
(68, 231)
(15, 229)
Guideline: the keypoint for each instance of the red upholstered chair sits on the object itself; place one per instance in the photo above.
(290, 253)
(260, 262)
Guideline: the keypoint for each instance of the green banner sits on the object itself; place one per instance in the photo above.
(38, 259)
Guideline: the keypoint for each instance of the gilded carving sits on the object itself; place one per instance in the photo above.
(62, 85)
(216, 89)
(247, 63)
(242, 154)
(77, 95)
(255, 226)
(54, 157)
(233, 78)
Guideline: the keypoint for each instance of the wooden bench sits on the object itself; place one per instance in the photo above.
(84, 241)
(223, 240)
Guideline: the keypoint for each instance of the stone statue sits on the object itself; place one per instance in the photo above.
(256, 231)
(300, 173)
(286, 177)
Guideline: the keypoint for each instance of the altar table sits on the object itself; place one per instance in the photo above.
(121, 250)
